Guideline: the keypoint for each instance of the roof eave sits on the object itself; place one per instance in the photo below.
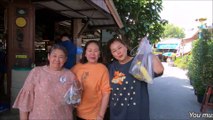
(114, 12)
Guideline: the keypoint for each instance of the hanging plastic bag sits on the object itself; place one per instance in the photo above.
(73, 94)
(141, 66)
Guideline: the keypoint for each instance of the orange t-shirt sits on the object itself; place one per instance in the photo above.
(95, 81)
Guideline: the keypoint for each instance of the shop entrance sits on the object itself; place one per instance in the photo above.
(27, 29)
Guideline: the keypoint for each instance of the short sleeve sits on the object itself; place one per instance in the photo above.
(74, 68)
(105, 85)
(25, 99)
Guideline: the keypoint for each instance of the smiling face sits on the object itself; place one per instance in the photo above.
(92, 53)
(119, 51)
(56, 58)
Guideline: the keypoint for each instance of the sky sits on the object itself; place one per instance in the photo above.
(183, 13)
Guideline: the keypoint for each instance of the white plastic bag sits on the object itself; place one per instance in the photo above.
(141, 66)
(73, 94)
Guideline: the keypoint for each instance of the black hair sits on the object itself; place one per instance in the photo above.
(109, 43)
(66, 35)
(84, 59)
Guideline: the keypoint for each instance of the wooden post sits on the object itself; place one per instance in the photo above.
(77, 26)
(206, 99)
(20, 43)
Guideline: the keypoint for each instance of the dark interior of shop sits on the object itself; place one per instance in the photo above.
(47, 32)
(3, 97)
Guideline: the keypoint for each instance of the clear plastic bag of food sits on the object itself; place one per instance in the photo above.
(141, 66)
(73, 94)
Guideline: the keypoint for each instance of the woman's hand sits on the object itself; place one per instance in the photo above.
(157, 65)
(104, 105)
(99, 117)
(23, 115)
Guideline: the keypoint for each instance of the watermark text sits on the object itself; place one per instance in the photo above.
(200, 115)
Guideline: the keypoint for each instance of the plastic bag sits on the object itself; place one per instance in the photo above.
(73, 94)
(141, 66)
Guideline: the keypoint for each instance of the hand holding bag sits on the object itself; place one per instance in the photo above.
(141, 66)
(73, 94)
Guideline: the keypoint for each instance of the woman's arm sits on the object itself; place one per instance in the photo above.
(104, 104)
(157, 65)
(23, 115)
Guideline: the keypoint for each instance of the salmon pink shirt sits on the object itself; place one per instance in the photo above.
(43, 94)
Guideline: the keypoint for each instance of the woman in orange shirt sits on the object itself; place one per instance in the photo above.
(94, 77)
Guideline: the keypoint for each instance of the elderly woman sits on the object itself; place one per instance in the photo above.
(42, 96)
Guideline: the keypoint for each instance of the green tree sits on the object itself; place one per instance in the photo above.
(172, 31)
(140, 18)
(201, 62)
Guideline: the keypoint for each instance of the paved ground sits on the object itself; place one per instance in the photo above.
(172, 97)
(9, 115)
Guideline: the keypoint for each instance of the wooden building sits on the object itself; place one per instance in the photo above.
(30, 25)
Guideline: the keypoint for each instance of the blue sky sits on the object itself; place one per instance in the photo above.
(183, 13)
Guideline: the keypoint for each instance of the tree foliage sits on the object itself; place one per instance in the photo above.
(140, 18)
(172, 31)
(200, 65)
